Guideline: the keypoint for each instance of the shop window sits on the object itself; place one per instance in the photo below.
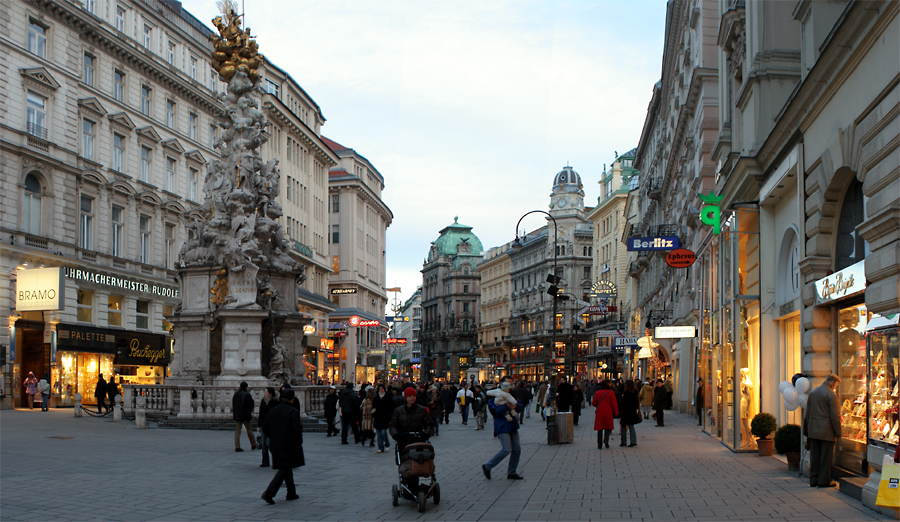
(87, 223)
(146, 92)
(37, 38)
(114, 310)
(31, 211)
(851, 392)
(142, 314)
(117, 231)
(884, 400)
(84, 306)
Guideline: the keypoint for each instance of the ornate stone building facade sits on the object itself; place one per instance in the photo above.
(493, 333)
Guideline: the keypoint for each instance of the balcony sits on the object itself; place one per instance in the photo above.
(36, 130)
(654, 188)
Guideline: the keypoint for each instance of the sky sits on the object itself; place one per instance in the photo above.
(467, 109)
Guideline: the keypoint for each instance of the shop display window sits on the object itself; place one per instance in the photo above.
(852, 390)
(79, 373)
(884, 364)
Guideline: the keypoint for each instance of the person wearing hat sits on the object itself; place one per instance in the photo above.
(284, 434)
(331, 402)
(409, 418)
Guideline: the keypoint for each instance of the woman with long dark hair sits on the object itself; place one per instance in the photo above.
(629, 412)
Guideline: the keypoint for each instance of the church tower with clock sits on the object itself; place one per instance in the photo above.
(567, 198)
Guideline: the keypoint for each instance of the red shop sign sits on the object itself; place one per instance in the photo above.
(680, 258)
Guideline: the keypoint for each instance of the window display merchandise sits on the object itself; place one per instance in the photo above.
(884, 363)
(852, 391)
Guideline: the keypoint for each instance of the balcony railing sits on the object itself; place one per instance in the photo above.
(36, 130)
(654, 187)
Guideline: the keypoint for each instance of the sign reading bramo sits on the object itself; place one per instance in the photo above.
(40, 289)
(123, 283)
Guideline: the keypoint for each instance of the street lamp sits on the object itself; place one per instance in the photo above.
(549, 367)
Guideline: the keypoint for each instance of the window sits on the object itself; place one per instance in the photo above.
(119, 86)
(120, 19)
(145, 164)
(193, 70)
(335, 234)
(170, 174)
(192, 126)
(37, 39)
(335, 203)
(587, 272)
(167, 311)
(117, 231)
(148, 31)
(31, 210)
(36, 115)
(89, 6)
(212, 136)
(142, 314)
(87, 223)
(145, 100)
(192, 185)
(114, 310)
(465, 289)
(170, 56)
(465, 307)
(271, 87)
(87, 139)
(88, 77)
(145, 239)
(118, 163)
(170, 114)
(84, 306)
(170, 246)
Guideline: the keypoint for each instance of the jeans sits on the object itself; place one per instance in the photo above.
(348, 422)
(283, 475)
(821, 453)
(629, 427)
(479, 419)
(45, 406)
(381, 439)
(464, 411)
(435, 418)
(528, 411)
(264, 446)
(509, 443)
(237, 434)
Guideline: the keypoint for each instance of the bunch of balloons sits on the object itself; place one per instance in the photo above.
(795, 393)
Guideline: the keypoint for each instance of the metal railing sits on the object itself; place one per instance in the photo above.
(36, 130)
(207, 401)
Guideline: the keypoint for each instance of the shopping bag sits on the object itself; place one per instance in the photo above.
(889, 488)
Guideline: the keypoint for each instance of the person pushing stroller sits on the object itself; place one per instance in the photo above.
(411, 424)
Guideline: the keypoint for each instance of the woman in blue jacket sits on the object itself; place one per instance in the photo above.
(506, 428)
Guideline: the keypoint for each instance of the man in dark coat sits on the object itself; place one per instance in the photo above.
(448, 399)
(822, 427)
(100, 393)
(112, 389)
(522, 395)
(565, 394)
(410, 417)
(331, 403)
(242, 406)
(350, 404)
(660, 401)
(285, 435)
(699, 401)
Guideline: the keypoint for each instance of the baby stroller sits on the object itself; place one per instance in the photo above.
(414, 460)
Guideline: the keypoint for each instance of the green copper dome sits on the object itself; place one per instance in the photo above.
(451, 236)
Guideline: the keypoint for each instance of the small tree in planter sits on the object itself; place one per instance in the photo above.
(787, 443)
(761, 426)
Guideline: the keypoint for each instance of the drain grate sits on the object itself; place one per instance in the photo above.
(59, 437)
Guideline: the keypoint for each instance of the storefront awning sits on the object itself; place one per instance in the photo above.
(130, 347)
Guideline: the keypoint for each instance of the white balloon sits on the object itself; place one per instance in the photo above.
(784, 385)
(790, 406)
(802, 385)
(790, 394)
(802, 399)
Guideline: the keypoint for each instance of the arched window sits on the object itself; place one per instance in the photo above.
(31, 205)
(465, 325)
(850, 247)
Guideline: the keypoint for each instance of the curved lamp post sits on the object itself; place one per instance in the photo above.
(549, 367)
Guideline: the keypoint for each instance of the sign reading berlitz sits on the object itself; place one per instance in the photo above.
(841, 284)
(40, 289)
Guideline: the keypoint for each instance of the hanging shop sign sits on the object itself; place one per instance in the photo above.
(841, 284)
(40, 289)
(124, 283)
(130, 348)
(326, 345)
(342, 291)
(396, 319)
(603, 290)
(376, 352)
(642, 244)
(393, 341)
(626, 341)
(337, 333)
(675, 332)
(681, 258)
(711, 213)
(483, 361)
(355, 321)
(309, 329)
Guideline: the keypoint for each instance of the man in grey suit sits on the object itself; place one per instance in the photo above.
(822, 427)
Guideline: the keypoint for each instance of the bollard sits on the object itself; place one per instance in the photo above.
(140, 413)
(117, 409)
(78, 405)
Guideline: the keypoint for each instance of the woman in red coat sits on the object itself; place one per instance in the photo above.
(607, 408)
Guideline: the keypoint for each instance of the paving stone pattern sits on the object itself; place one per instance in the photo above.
(57, 467)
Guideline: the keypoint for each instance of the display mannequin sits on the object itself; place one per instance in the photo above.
(746, 391)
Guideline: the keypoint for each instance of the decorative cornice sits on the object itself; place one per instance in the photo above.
(121, 121)
(92, 105)
(173, 145)
(149, 133)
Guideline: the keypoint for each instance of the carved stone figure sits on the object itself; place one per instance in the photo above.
(279, 372)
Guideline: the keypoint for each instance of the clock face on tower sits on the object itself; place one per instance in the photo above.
(561, 203)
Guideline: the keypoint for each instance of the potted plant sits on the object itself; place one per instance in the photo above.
(787, 443)
(761, 426)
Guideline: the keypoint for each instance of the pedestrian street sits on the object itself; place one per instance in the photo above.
(57, 467)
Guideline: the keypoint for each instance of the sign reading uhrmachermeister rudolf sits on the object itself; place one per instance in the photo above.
(40, 289)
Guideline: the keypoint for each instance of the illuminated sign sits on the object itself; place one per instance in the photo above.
(309, 329)
(130, 348)
(341, 291)
(40, 289)
(356, 321)
(396, 319)
(711, 213)
(326, 345)
(675, 332)
(642, 244)
(841, 284)
(394, 341)
(681, 258)
(123, 283)
(603, 290)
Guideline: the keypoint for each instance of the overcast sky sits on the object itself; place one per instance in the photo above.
(468, 109)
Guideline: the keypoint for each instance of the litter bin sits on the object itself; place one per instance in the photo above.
(565, 427)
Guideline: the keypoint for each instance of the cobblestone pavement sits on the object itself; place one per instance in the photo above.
(57, 467)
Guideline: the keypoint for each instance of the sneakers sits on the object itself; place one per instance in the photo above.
(515, 476)
(486, 471)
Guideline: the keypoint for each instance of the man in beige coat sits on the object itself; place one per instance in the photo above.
(822, 427)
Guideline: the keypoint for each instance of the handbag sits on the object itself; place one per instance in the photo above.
(639, 417)
(889, 488)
